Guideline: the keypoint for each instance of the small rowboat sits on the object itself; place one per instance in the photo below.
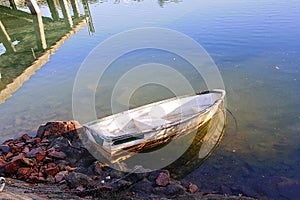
(124, 134)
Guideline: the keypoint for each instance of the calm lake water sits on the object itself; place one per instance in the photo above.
(255, 45)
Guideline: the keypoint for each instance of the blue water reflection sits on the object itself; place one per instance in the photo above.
(256, 47)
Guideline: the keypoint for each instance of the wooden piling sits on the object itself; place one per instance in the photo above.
(4, 37)
(37, 23)
(53, 10)
(66, 13)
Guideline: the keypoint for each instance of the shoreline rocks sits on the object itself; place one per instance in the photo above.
(55, 156)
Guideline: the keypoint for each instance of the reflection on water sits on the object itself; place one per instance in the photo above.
(163, 2)
(22, 54)
(255, 44)
(204, 143)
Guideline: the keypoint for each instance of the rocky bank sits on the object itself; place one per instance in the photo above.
(55, 165)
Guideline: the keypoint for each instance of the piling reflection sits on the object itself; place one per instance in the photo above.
(28, 39)
(6, 39)
(88, 15)
(163, 2)
(53, 10)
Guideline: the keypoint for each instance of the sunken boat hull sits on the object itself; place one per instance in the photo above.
(120, 136)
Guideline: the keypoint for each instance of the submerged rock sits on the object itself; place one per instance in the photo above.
(193, 188)
(163, 179)
(51, 171)
(5, 148)
(121, 185)
(143, 187)
(2, 163)
(75, 180)
(57, 154)
(24, 173)
(34, 152)
(174, 189)
(26, 137)
(60, 176)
